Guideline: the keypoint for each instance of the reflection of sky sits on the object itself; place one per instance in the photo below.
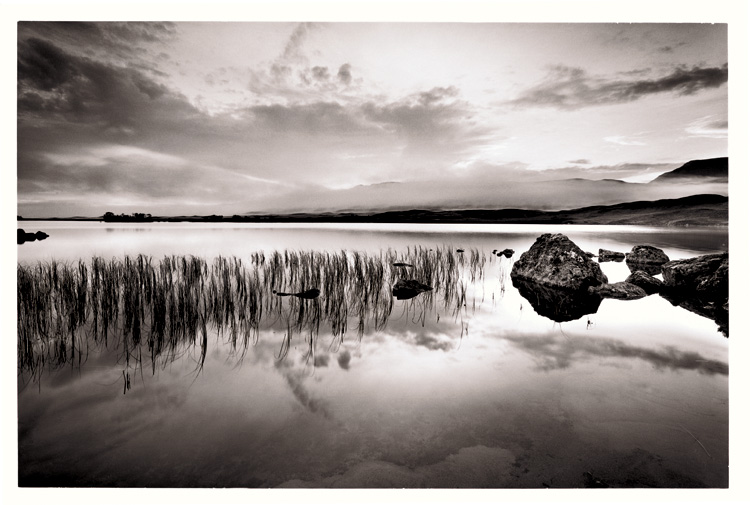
(71, 241)
(494, 395)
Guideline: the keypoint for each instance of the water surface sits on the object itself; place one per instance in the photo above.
(491, 395)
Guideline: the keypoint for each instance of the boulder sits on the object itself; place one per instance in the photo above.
(645, 281)
(506, 252)
(555, 261)
(646, 255)
(40, 235)
(607, 255)
(558, 304)
(619, 291)
(700, 285)
(705, 276)
(409, 288)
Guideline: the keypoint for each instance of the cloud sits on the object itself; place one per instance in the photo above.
(293, 49)
(582, 161)
(423, 115)
(572, 88)
(55, 85)
(320, 73)
(345, 74)
(709, 127)
(624, 141)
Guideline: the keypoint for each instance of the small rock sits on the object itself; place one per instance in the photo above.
(409, 288)
(607, 255)
(618, 291)
(645, 281)
(646, 255)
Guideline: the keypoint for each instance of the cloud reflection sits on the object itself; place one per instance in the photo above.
(556, 353)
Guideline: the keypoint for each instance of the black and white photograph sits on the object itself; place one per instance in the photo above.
(298, 251)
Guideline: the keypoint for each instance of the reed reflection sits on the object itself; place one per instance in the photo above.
(153, 311)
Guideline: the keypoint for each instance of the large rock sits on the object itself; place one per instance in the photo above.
(606, 255)
(700, 285)
(706, 276)
(409, 288)
(555, 261)
(645, 281)
(646, 255)
(619, 291)
(557, 304)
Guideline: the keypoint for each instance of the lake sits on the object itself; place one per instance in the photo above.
(466, 385)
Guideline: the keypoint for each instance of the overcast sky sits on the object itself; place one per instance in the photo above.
(228, 118)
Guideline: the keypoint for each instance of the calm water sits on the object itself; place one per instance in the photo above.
(492, 396)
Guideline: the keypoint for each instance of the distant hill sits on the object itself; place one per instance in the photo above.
(716, 168)
(697, 210)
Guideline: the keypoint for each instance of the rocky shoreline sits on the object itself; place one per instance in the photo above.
(563, 283)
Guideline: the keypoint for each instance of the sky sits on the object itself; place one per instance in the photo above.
(185, 118)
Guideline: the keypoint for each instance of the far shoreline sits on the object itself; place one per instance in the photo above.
(688, 212)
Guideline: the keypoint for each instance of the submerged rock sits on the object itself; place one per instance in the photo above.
(409, 288)
(645, 281)
(646, 255)
(619, 291)
(558, 304)
(555, 261)
(607, 255)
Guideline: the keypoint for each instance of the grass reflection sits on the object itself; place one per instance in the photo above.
(151, 311)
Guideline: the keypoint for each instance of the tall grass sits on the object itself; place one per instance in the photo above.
(151, 311)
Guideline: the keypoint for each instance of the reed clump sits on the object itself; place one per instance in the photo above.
(150, 311)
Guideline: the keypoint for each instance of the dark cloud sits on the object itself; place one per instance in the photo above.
(79, 90)
(320, 73)
(553, 353)
(345, 74)
(422, 115)
(573, 88)
(43, 66)
(313, 119)
(127, 42)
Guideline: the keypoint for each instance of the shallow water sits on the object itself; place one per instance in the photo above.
(492, 396)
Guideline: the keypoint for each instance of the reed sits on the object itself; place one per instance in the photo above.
(150, 311)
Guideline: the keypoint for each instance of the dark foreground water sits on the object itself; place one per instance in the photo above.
(490, 394)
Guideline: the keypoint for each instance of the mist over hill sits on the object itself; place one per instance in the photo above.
(492, 192)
